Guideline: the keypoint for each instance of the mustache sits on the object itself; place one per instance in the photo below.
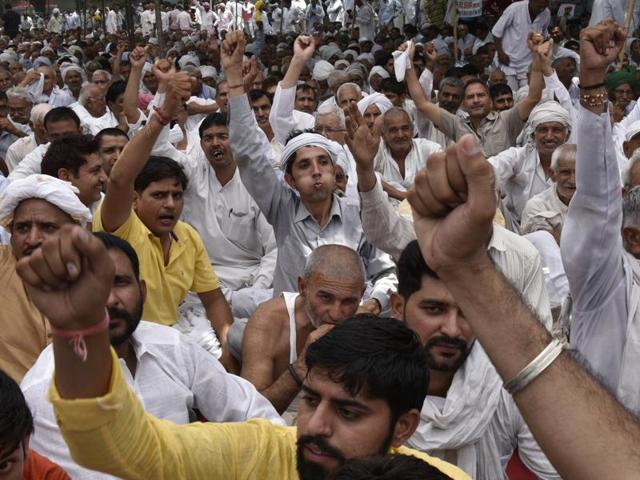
(444, 341)
(120, 313)
(322, 445)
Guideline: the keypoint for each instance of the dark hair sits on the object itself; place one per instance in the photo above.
(474, 81)
(110, 132)
(499, 89)
(16, 421)
(388, 467)
(4, 97)
(381, 57)
(256, 94)
(70, 152)
(115, 90)
(303, 87)
(271, 81)
(159, 168)
(469, 69)
(411, 267)
(379, 356)
(60, 114)
(391, 85)
(113, 242)
(216, 118)
(294, 134)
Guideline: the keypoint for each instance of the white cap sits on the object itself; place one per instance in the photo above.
(632, 130)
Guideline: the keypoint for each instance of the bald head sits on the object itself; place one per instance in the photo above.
(335, 262)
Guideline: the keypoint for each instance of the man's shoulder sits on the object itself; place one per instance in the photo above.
(270, 315)
(454, 472)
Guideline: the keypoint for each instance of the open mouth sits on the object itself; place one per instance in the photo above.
(167, 220)
(217, 153)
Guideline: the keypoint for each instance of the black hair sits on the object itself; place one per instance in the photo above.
(257, 94)
(293, 134)
(110, 132)
(4, 97)
(115, 90)
(381, 57)
(391, 85)
(70, 153)
(16, 421)
(474, 81)
(388, 467)
(378, 356)
(499, 89)
(159, 168)
(304, 87)
(271, 81)
(113, 242)
(469, 69)
(215, 118)
(411, 267)
(60, 114)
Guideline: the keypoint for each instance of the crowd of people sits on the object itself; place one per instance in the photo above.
(323, 240)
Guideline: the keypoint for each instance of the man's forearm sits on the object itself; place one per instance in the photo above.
(293, 73)
(282, 392)
(569, 413)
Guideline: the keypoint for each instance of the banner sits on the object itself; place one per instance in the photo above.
(469, 8)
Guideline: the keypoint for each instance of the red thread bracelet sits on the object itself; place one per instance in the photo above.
(77, 336)
(162, 118)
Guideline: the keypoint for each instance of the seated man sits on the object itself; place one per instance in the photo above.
(467, 417)
(548, 209)
(365, 385)
(276, 336)
(239, 240)
(523, 172)
(261, 106)
(372, 106)
(24, 146)
(17, 460)
(400, 156)
(93, 112)
(75, 159)
(347, 94)
(306, 213)
(171, 375)
(143, 203)
(501, 97)
(388, 467)
(31, 209)
(111, 142)
(59, 122)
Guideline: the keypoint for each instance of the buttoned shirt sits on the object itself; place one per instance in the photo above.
(173, 376)
(415, 161)
(544, 211)
(184, 21)
(6, 140)
(91, 124)
(517, 259)
(496, 132)
(512, 27)
(188, 268)
(297, 232)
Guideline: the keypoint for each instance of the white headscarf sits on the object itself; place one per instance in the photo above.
(550, 111)
(378, 70)
(377, 99)
(308, 140)
(57, 192)
(321, 70)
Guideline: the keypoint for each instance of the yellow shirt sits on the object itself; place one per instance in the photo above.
(24, 331)
(113, 434)
(189, 268)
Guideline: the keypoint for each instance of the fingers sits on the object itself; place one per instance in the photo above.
(90, 249)
(425, 198)
(479, 176)
(438, 180)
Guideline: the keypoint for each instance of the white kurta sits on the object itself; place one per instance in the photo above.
(91, 124)
(414, 162)
(366, 18)
(544, 211)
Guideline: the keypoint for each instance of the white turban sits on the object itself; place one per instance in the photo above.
(351, 52)
(189, 59)
(550, 111)
(322, 69)
(70, 67)
(208, 71)
(378, 70)
(57, 192)
(367, 57)
(377, 99)
(308, 140)
(338, 63)
(330, 50)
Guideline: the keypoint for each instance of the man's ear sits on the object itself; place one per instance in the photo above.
(405, 427)
(136, 199)
(290, 180)
(631, 238)
(397, 305)
(64, 174)
(301, 286)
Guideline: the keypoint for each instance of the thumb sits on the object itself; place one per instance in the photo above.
(479, 176)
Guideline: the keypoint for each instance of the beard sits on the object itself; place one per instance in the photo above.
(131, 322)
(457, 343)
(312, 471)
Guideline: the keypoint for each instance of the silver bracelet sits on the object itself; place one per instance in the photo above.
(538, 365)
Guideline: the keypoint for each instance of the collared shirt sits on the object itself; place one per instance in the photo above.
(239, 240)
(496, 132)
(6, 140)
(91, 124)
(188, 268)
(512, 27)
(30, 164)
(184, 21)
(297, 232)
(114, 434)
(519, 176)
(517, 259)
(544, 211)
(24, 331)
(147, 22)
(173, 376)
(415, 161)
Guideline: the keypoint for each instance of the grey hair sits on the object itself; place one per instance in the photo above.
(84, 92)
(451, 82)
(631, 208)
(38, 112)
(346, 86)
(21, 92)
(335, 260)
(567, 151)
(394, 111)
(626, 173)
(335, 77)
(324, 110)
(101, 71)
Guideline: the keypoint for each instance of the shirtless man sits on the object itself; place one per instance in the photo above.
(329, 292)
